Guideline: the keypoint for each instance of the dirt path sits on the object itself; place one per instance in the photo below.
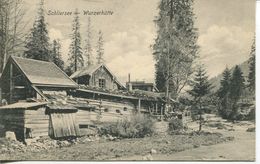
(241, 148)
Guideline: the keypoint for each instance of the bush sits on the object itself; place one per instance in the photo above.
(137, 127)
(251, 129)
(175, 125)
(251, 115)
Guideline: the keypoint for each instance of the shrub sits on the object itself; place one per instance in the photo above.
(137, 127)
(251, 115)
(175, 125)
(251, 129)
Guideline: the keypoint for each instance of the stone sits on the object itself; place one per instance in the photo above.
(10, 136)
(4, 149)
(168, 142)
(29, 141)
(153, 151)
(148, 157)
(63, 102)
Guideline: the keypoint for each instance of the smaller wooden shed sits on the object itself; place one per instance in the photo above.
(34, 119)
(25, 119)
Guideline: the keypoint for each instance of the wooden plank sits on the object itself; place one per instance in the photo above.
(37, 122)
(36, 126)
(38, 134)
(40, 111)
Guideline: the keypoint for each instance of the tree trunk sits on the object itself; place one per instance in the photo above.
(167, 96)
(200, 123)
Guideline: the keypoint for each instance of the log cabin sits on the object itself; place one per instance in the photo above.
(27, 78)
(97, 76)
(36, 119)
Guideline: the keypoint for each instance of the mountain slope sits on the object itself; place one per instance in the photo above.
(215, 81)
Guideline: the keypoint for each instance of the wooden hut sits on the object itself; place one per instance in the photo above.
(97, 76)
(25, 119)
(27, 78)
(34, 119)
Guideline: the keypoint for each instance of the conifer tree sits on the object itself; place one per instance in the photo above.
(75, 61)
(56, 54)
(88, 48)
(38, 46)
(224, 93)
(236, 84)
(200, 88)
(251, 75)
(100, 48)
(236, 89)
(176, 46)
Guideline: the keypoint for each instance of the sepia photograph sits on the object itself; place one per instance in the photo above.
(128, 80)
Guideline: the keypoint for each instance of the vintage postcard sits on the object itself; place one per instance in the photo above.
(127, 80)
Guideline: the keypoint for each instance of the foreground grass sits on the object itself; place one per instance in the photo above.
(104, 149)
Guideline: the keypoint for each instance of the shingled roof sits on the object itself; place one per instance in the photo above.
(85, 71)
(42, 73)
(91, 69)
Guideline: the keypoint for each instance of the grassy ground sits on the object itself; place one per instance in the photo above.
(104, 149)
(214, 146)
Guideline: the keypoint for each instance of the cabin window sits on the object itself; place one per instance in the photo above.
(125, 108)
(105, 110)
(118, 111)
(83, 126)
(102, 83)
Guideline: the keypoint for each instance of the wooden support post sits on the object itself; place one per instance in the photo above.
(156, 108)
(161, 112)
(0, 96)
(139, 105)
(11, 83)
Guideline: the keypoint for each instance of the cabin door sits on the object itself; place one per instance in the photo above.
(63, 125)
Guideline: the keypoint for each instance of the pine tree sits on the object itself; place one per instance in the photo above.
(236, 84)
(251, 75)
(38, 46)
(224, 93)
(75, 60)
(88, 47)
(236, 89)
(200, 88)
(100, 48)
(159, 79)
(176, 46)
(56, 54)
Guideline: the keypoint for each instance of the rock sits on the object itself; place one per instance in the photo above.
(30, 141)
(168, 142)
(153, 151)
(10, 136)
(251, 129)
(4, 149)
(64, 143)
(11, 150)
(148, 157)
(87, 140)
(63, 102)
(196, 146)
(111, 138)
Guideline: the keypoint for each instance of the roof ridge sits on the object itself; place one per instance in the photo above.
(24, 58)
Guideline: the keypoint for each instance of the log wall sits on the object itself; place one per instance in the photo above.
(110, 112)
(13, 120)
(37, 121)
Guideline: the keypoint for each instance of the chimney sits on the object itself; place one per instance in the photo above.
(129, 83)
(129, 80)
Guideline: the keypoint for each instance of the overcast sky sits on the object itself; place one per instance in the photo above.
(226, 29)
